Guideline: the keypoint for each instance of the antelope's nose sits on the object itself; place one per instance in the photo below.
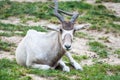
(67, 47)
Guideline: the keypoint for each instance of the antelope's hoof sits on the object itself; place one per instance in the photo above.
(66, 69)
(78, 67)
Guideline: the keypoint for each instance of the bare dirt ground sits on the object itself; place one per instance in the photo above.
(18, 21)
(90, 1)
(35, 77)
(13, 39)
(7, 55)
(114, 7)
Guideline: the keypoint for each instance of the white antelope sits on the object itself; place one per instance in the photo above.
(45, 50)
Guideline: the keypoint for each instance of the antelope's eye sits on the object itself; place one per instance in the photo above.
(60, 30)
(74, 31)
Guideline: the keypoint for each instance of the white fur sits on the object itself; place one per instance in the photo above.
(73, 62)
(64, 66)
(43, 50)
(78, 27)
(38, 49)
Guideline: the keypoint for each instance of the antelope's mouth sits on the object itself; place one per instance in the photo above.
(68, 49)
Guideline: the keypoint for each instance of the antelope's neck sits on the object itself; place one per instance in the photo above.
(58, 46)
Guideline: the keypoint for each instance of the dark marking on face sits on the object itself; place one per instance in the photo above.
(67, 25)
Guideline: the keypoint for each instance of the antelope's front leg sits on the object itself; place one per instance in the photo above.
(64, 66)
(73, 62)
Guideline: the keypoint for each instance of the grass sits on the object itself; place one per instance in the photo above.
(12, 28)
(83, 35)
(16, 8)
(9, 70)
(5, 45)
(117, 1)
(97, 15)
(7, 34)
(97, 75)
(78, 58)
(117, 51)
(80, 34)
(99, 48)
(26, 18)
(115, 26)
(104, 38)
(99, 1)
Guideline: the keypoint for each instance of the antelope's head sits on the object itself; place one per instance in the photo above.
(67, 29)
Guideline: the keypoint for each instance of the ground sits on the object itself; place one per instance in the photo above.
(96, 48)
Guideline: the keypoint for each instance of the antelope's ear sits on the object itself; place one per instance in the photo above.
(81, 26)
(53, 27)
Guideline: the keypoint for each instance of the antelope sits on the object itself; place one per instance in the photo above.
(44, 50)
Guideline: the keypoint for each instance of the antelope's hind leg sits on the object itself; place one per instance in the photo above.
(30, 63)
(40, 66)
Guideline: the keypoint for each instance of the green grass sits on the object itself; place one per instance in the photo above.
(80, 34)
(9, 70)
(117, 1)
(83, 35)
(117, 77)
(25, 18)
(105, 39)
(117, 51)
(38, 9)
(115, 26)
(20, 9)
(78, 58)
(7, 34)
(97, 15)
(99, 48)
(94, 72)
(5, 45)
(12, 28)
